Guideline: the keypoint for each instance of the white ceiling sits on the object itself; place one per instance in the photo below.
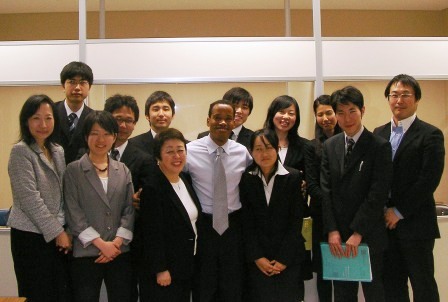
(38, 6)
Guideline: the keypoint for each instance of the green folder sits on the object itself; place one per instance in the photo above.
(346, 269)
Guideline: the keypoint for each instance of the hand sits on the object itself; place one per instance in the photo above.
(118, 241)
(391, 218)
(136, 199)
(351, 246)
(102, 259)
(107, 248)
(64, 242)
(334, 240)
(303, 187)
(164, 278)
(278, 267)
(265, 266)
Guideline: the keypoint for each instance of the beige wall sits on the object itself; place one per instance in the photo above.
(225, 23)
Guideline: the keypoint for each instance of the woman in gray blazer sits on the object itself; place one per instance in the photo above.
(98, 202)
(39, 243)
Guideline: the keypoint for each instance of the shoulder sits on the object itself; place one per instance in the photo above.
(246, 131)
(424, 126)
(202, 134)
(293, 173)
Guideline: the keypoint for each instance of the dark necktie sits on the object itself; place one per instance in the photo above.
(115, 154)
(395, 139)
(72, 121)
(350, 142)
(220, 207)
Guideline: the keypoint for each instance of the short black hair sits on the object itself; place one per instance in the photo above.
(348, 94)
(220, 102)
(29, 108)
(406, 80)
(163, 136)
(103, 118)
(159, 96)
(117, 101)
(75, 69)
(280, 103)
(238, 94)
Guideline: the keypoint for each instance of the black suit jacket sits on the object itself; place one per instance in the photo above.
(75, 146)
(144, 142)
(418, 166)
(354, 198)
(138, 162)
(243, 138)
(273, 231)
(167, 231)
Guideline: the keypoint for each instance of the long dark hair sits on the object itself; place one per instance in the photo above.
(29, 108)
(267, 136)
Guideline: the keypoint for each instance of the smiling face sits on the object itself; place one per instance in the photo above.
(41, 123)
(100, 141)
(160, 116)
(403, 104)
(284, 119)
(172, 157)
(264, 154)
(242, 112)
(221, 122)
(326, 118)
(125, 118)
(349, 118)
(76, 90)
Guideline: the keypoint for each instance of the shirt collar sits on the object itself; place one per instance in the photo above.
(212, 146)
(153, 133)
(237, 130)
(356, 136)
(405, 123)
(122, 148)
(69, 111)
(281, 170)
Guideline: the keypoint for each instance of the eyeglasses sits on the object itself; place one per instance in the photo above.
(74, 83)
(128, 122)
(404, 96)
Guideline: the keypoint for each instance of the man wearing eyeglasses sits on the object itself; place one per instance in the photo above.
(76, 80)
(418, 159)
(125, 110)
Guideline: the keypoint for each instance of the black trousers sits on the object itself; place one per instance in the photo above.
(347, 291)
(41, 270)
(88, 277)
(324, 287)
(178, 291)
(413, 260)
(221, 262)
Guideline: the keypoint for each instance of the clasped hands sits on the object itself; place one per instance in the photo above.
(109, 250)
(351, 245)
(269, 267)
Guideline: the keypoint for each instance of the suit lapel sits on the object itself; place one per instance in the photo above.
(93, 179)
(63, 118)
(408, 137)
(113, 180)
(339, 150)
(277, 190)
(359, 150)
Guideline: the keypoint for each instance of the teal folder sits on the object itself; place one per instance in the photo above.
(346, 269)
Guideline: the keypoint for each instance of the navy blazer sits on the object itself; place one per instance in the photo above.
(75, 145)
(168, 236)
(243, 138)
(418, 167)
(273, 231)
(354, 198)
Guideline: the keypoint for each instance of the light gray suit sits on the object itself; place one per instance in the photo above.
(37, 189)
(88, 206)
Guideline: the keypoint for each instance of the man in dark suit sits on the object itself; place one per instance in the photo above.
(125, 110)
(159, 111)
(244, 103)
(76, 79)
(355, 178)
(411, 220)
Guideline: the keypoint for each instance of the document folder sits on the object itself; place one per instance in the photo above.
(346, 269)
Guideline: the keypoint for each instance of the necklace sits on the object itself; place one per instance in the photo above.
(101, 170)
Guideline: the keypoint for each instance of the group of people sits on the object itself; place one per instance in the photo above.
(158, 218)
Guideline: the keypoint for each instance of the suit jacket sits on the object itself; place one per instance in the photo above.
(144, 142)
(273, 231)
(36, 189)
(138, 162)
(168, 235)
(418, 166)
(88, 206)
(354, 198)
(243, 138)
(312, 167)
(75, 145)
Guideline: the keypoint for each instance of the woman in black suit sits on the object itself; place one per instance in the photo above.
(284, 118)
(169, 212)
(273, 213)
(326, 126)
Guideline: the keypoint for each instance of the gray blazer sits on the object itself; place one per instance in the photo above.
(87, 206)
(36, 189)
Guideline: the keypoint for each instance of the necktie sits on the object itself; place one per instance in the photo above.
(395, 139)
(220, 207)
(72, 121)
(350, 142)
(115, 154)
